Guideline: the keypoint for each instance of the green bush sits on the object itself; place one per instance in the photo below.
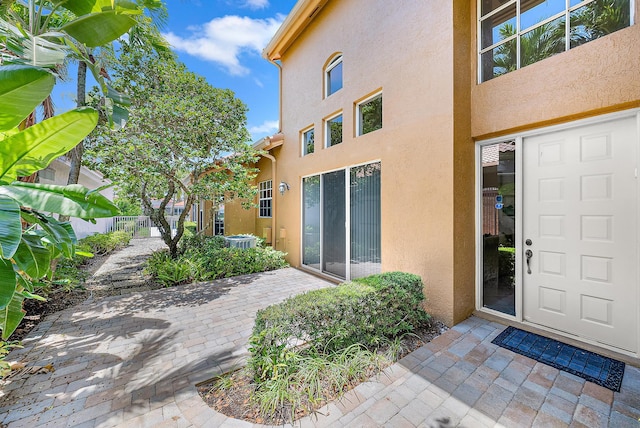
(105, 243)
(171, 272)
(69, 273)
(204, 258)
(367, 311)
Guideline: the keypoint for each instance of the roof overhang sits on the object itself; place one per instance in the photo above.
(298, 19)
(268, 143)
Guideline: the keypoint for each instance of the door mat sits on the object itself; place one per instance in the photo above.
(588, 365)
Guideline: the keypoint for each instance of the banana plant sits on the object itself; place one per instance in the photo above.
(31, 50)
(44, 33)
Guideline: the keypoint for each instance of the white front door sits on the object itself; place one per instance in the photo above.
(580, 229)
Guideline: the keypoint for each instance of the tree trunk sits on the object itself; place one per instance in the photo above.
(75, 154)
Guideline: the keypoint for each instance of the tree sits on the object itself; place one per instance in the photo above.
(598, 19)
(143, 34)
(184, 138)
(30, 53)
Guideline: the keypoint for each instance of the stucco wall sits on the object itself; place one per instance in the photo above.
(407, 51)
(597, 77)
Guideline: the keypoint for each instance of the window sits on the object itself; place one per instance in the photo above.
(342, 222)
(334, 130)
(333, 76)
(308, 142)
(370, 115)
(266, 195)
(516, 33)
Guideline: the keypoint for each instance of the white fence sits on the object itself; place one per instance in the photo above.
(140, 226)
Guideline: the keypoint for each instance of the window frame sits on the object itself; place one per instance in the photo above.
(520, 32)
(265, 194)
(348, 211)
(358, 113)
(335, 61)
(327, 129)
(303, 141)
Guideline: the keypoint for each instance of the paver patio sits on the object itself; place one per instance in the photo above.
(134, 360)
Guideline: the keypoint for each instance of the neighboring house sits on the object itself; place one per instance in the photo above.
(231, 218)
(489, 146)
(58, 173)
(173, 208)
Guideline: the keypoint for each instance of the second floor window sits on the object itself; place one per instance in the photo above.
(266, 196)
(516, 33)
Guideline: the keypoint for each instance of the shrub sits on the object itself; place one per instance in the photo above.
(69, 273)
(105, 243)
(367, 311)
(204, 258)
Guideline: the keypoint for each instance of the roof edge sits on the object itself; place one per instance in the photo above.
(298, 19)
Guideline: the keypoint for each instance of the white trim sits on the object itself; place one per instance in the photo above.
(347, 224)
(347, 170)
(518, 232)
(519, 138)
(333, 63)
(638, 221)
(479, 241)
(266, 190)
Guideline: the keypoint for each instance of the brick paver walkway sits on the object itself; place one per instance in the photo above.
(133, 361)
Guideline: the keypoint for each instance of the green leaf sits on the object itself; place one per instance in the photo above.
(29, 295)
(118, 97)
(10, 226)
(7, 282)
(33, 149)
(119, 117)
(98, 29)
(11, 315)
(32, 257)
(22, 89)
(74, 200)
(83, 7)
(59, 235)
(28, 49)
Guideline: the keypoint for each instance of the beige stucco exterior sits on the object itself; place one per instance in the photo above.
(422, 56)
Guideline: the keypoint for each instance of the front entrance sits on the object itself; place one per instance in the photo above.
(577, 250)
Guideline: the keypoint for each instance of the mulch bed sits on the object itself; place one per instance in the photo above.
(235, 402)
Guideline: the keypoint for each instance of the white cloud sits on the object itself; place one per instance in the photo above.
(224, 40)
(256, 4)
(267, 127)
(258, 82)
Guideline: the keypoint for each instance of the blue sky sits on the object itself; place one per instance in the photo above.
(222, 40)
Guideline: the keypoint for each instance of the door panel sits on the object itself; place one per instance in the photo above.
(580, 212)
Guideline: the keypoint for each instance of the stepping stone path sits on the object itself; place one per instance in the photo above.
(123, 271)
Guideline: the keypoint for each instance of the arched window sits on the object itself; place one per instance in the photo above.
(333, 75)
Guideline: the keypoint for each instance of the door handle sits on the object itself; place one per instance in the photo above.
(528, 254)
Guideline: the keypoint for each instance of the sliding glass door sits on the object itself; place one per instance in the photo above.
(333, 224)
(365, 221)
(341, 222)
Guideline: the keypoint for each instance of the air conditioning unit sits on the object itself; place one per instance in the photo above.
(240, 241)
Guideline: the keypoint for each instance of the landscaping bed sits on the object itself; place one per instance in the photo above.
(235, 401)
(314, 347)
